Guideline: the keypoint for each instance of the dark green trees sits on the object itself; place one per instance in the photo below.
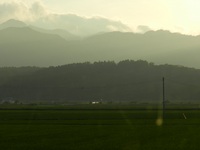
(108, 81)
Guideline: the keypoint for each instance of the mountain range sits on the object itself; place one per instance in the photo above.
(24, 45)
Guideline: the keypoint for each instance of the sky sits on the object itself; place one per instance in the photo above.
(174, 15)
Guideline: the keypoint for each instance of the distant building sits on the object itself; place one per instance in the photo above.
(8, 100)
(95, 102)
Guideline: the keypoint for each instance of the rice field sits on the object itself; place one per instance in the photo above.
(99, 129)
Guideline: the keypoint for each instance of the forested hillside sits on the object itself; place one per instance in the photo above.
(8, 73)
(128, 80)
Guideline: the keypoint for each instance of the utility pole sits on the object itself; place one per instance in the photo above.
(163, 103)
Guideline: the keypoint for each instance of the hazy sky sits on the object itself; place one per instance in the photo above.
(175, 15)
(180, 15)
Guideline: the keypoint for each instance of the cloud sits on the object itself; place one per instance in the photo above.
(80, 25)
(38, 15)
(143, 28)
(38, 10)
(21, 11)
(12, 10)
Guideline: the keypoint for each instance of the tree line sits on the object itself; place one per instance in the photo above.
(128, 80)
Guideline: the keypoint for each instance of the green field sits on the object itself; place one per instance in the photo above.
(98, 129)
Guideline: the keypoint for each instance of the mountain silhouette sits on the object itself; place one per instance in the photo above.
(25, 46)
(62, 33)
(12, 23)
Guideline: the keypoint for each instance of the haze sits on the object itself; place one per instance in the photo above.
(174, 15)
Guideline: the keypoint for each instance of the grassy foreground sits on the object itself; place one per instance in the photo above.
(98, 130)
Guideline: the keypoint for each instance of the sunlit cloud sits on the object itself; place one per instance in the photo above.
(39, 15)
(143, 28)
(21, 11)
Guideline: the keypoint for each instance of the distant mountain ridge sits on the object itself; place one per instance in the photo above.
(62, 33)
(19, 24)
(25, 34)
(12, 23)
(156, 46)
(27, 46)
